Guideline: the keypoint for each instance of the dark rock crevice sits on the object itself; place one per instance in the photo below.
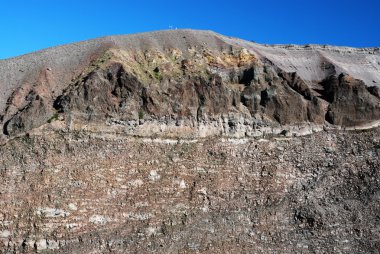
(248, 75)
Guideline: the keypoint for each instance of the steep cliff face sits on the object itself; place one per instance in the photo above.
(190, 141)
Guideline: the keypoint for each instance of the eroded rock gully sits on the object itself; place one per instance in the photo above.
(190, 142)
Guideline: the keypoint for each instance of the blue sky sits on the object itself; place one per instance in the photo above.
(27, 26)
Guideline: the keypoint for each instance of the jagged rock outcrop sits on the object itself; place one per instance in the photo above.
(351, 101)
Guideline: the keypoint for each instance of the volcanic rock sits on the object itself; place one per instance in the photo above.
(190, 141)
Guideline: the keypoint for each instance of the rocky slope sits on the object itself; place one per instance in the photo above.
(89, 193)
(188, 141)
